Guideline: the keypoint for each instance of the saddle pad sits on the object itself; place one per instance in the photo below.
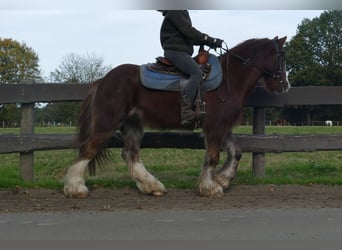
(172, 82)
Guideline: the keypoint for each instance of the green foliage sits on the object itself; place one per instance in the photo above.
(9, 115)
(65, 113)
(18, 62)
(314, 57)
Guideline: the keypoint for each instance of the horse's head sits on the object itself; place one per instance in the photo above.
(274, 71)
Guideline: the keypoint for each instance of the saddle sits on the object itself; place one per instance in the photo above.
(154, 78)
(163, 65)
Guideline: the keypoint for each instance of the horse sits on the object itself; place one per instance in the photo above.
(119, 102)
(280, 122)
(328, 123)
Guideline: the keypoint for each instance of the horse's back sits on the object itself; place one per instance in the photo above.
(123, 71)
(119, 81)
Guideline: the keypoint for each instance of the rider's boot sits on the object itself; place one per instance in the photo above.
(188, 116)
(200, 110)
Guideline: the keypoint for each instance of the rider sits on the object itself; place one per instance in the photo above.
(177, 37)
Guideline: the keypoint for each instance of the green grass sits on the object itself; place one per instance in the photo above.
(180, 167)
(41, 130)
(292, 130)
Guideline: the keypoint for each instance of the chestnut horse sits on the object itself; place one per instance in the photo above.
(120, 102)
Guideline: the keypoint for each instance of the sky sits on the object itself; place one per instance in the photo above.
(126, 35)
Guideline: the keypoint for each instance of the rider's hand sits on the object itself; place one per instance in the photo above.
(214, 42)
(217, 43)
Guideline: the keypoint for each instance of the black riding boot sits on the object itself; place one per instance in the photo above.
(200, 110)
(188, 116)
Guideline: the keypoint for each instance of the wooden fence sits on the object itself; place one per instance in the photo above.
(27, 141)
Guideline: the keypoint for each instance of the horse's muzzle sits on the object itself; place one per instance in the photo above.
(283, 88)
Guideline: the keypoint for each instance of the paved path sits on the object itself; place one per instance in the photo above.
(324, 223)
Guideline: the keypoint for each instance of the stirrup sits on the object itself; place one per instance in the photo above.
(188, 125)
(200, 113)
(200, 108)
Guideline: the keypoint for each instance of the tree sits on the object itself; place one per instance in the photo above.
(17, 62)
(73, 69)
(314, 57)
(79, 69)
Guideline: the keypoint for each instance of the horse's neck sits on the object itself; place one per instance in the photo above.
(240, 77)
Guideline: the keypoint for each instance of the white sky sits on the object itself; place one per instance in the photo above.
(130, 36)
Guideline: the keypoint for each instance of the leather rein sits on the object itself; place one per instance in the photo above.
(277, 70)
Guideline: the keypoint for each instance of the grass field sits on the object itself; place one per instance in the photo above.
(180, 167)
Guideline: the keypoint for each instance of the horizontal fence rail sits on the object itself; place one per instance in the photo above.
(52, 92)
(27, 141)
(248, 143)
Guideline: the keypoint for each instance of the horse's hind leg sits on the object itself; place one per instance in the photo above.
(132, 132)
(74, 182)
(227, 173)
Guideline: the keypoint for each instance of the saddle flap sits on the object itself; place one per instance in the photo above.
(202, 57)
(163, 60)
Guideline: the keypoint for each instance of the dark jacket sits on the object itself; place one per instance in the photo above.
(177, 33)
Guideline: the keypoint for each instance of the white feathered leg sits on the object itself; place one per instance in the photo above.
(146, 182)
(132, 132)
(74, 183)
(228, 172)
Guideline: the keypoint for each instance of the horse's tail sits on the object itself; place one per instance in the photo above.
(86, 128)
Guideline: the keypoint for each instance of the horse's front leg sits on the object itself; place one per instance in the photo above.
(207, 185)
(74, 182)
(228, 172)
(132, 132)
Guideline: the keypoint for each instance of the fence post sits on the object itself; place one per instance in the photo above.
(27, 128)
(258, 168)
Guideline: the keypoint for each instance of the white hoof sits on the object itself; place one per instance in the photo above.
(223, 181)
(212, 190)
(207, 186)
(74, 183)
(153, 188)
(76, 191)
(145, 182)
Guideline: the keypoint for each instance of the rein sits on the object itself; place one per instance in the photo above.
(277, 69)
(274, 75)
(226, 66)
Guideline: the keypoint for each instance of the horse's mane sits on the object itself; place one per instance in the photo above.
(250, 43)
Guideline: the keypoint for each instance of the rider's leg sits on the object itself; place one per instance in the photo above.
(184, 62)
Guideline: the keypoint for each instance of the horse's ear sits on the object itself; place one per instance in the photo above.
(281, 41)
(275, 38)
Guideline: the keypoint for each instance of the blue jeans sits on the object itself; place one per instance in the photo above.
(184, 62)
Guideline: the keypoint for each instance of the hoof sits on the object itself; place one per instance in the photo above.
(158, 193)
(155, 188)
(222, 181)
(213, 190)
(80, 191)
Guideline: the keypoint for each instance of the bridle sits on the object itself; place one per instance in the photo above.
(277, 71)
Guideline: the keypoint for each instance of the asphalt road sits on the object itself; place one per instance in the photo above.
(240, 224)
